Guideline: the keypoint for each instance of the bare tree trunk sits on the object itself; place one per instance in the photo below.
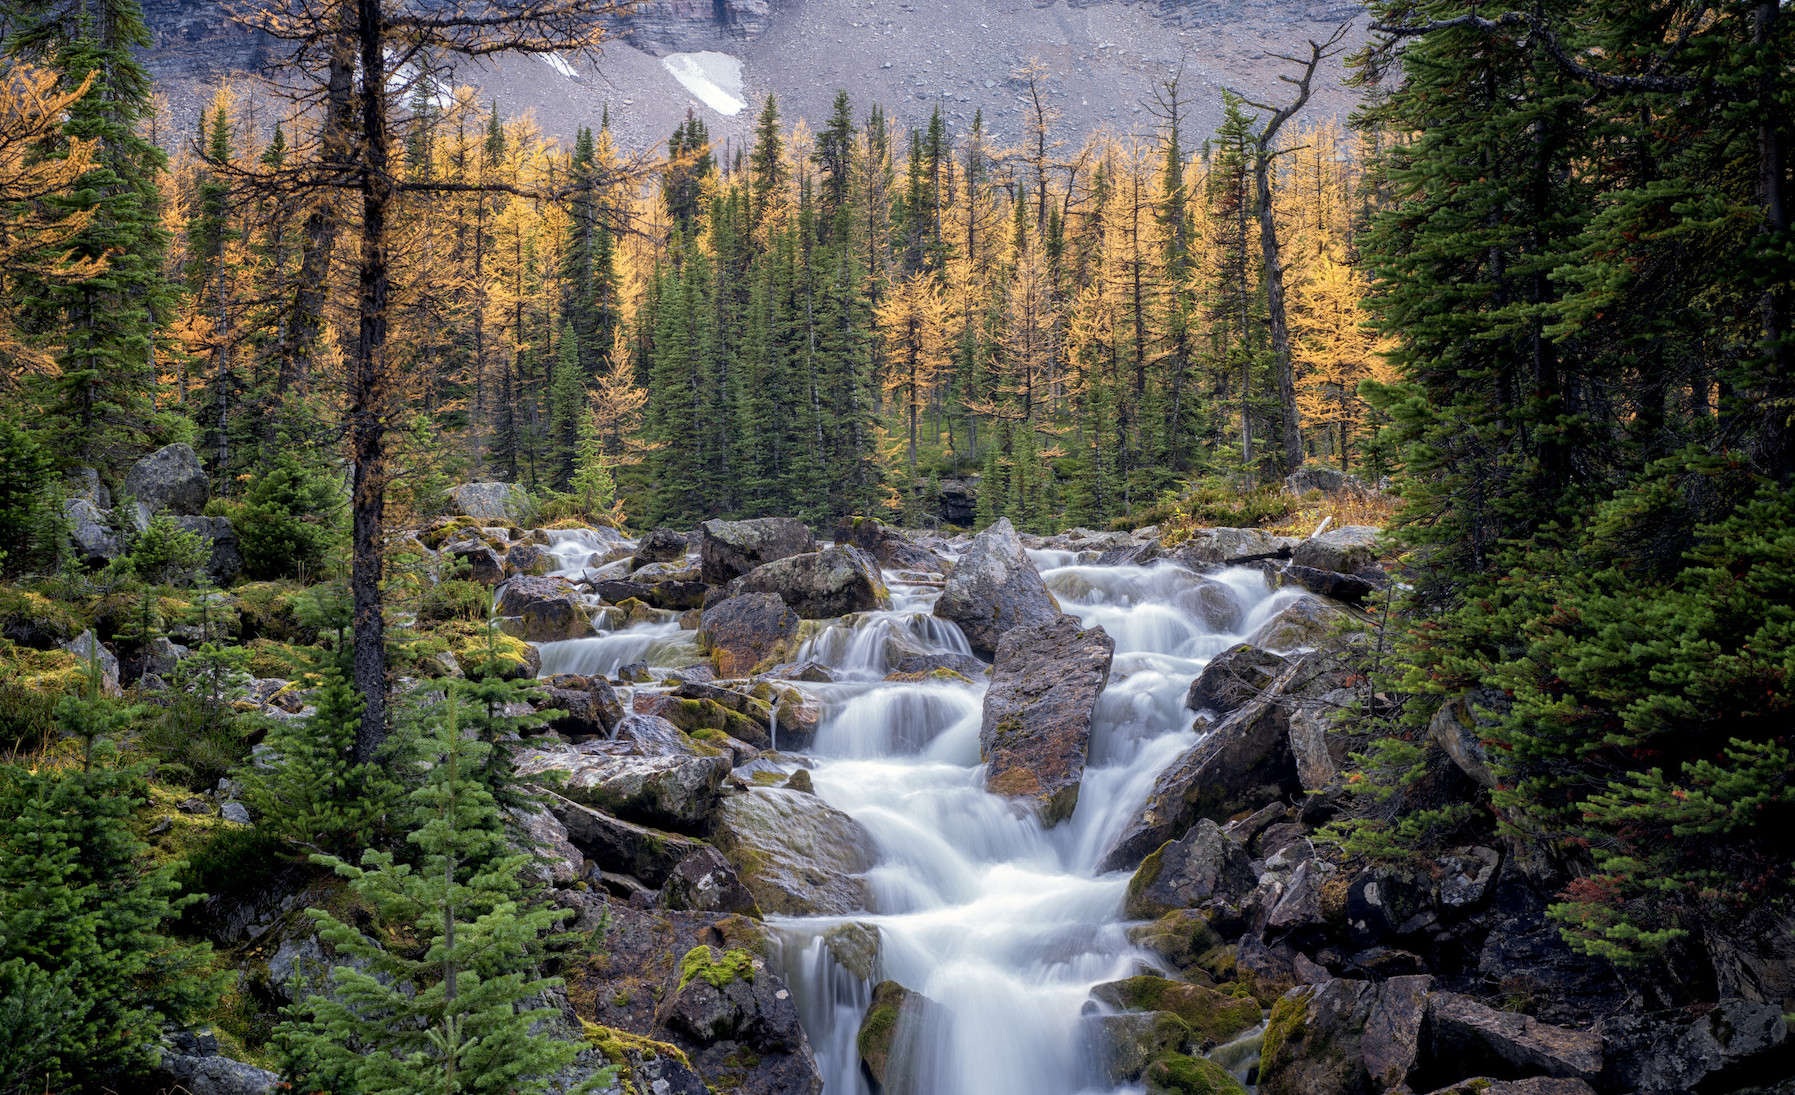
(368, 395)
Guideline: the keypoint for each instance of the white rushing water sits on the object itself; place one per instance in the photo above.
(1004, 924)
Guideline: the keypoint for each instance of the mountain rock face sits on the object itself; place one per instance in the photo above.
(671, 26)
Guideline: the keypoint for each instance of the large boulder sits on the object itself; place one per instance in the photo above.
(1186, 872)
(483, 564)
(730, 549)
(743, 632)
(485, 501)
(1725, 1048)
(698, 714)
(86, 647)
(168, 479)
(820, 584)
(613, 844)
(545, 610)
(1351, 588)
(590, 706)
(1309, 621)
(662, 545)
(1344, 550)
(676, 792)
(94, 541)
(1233, 678)
(895, 1020)
(888, 545)
(995, 587)
(225, 561)
(729, 995)
(1326, 480)
(1207, 548)
(1212, 1017)
(1468, 1036)
(1454, 726)
(213, 1074)
(1343, 1037)
(1243, 763)
(957, 502)
(1126, 1044)
(797, 855)
(1319, 752)
(705, 881)
(1037, 719)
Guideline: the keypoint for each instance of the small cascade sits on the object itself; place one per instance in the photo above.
(831, 1001)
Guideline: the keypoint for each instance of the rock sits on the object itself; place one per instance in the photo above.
(1328, 481)
(741, 633)
(1343, 1037)
(635, 673)
(731, 996)
(225, 561)
(591, 705)
(1469, 1037)
(677, 792)
(483, 564)
(1735, 1043)
(705, 719)
(916, 666)
(1126, 1044)
(957, 503)
(995, 587)
(659, 27)
(94, 542)
(1233, 678)
(168, 479)
(234, 812)
(1242, 764)
(86, 647)
(616, 845)
(485, 501)
(1454, 726)
(819, 585)
(1351, 588)
(1037, 715)
(84, 484)
(888, 545)
(1212, 1017)
(1307, 621)
(558, 863)
(797, 855)
(1318, 751)
(1533, 1085)
(810, 672)
(729, 549)
(662, 545)
(546, 609)
(855, 947)
(1342, 550)
(1393, 1031)
(1182, 937)
(895, 1020)
(1466, 876)
(1177, 1074)
(1208, 548)
(704, 881)
(216, 1075)
(530, 560)
(1525, 953)
(1185, 873)
(1299, 906)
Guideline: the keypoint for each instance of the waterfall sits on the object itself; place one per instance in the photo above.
(1003, 924)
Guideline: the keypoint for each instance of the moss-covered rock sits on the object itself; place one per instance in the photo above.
(1182, 937)
(1213, 1017)
(270, 610)
(33, 620)
(702, 963)
(1127, 1044)
(1178, 1074)
(895, 1011)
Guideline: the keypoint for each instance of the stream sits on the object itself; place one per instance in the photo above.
(1004, 924)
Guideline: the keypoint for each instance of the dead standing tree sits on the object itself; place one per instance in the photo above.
(1264, 152)
(358, 61)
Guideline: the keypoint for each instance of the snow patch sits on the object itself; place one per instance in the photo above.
(716, 78)
(559, 64)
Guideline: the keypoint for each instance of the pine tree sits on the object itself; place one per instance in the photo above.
(440, 999)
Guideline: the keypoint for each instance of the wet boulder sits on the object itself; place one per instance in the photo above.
(888, 545)
(485, 501)
(698, 714)
(169, 479)
(729, 995)
(797, 855)
(705, 881)
(679, 792)
(1233, 678)
(1343, 550)
(532, 560)
(1350, 588)
(1183, 937)
(895, 1020)
(918, 666)
(1208, 548)
(1184, 873)
(1037, 717)
(94, 541)
(741, 633)
(662, 545)
(995, 587)
(729, 549)
(591, 705)
(1124, 1045)
(1343, 1037)
(613, 844)
(1242, 764)
(1308, 621)
(543, 610)
(1179, 1074)
(819, 585)
(1212, 1017)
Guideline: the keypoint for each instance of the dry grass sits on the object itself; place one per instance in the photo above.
(1309, 512)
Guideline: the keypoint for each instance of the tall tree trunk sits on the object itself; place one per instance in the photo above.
(1777, 446)
(368, 394)
(1275, 309)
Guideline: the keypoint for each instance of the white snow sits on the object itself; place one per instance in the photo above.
(716, 78)
(559, 64)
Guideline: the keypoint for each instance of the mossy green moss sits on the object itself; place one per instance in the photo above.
(624, 1049)
(1182, 937)
(1178, 1074)
(1213, 1017)
(24, 612)
(699, 964)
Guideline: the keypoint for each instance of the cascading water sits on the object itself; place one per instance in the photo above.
(1003, 924)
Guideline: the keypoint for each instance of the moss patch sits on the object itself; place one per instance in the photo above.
(1177, 1074)
(624, 1049)
(1213, 1017)
(698, 964)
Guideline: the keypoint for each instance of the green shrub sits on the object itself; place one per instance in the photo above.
(455, 600)
(29, 522)
(290, 520)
